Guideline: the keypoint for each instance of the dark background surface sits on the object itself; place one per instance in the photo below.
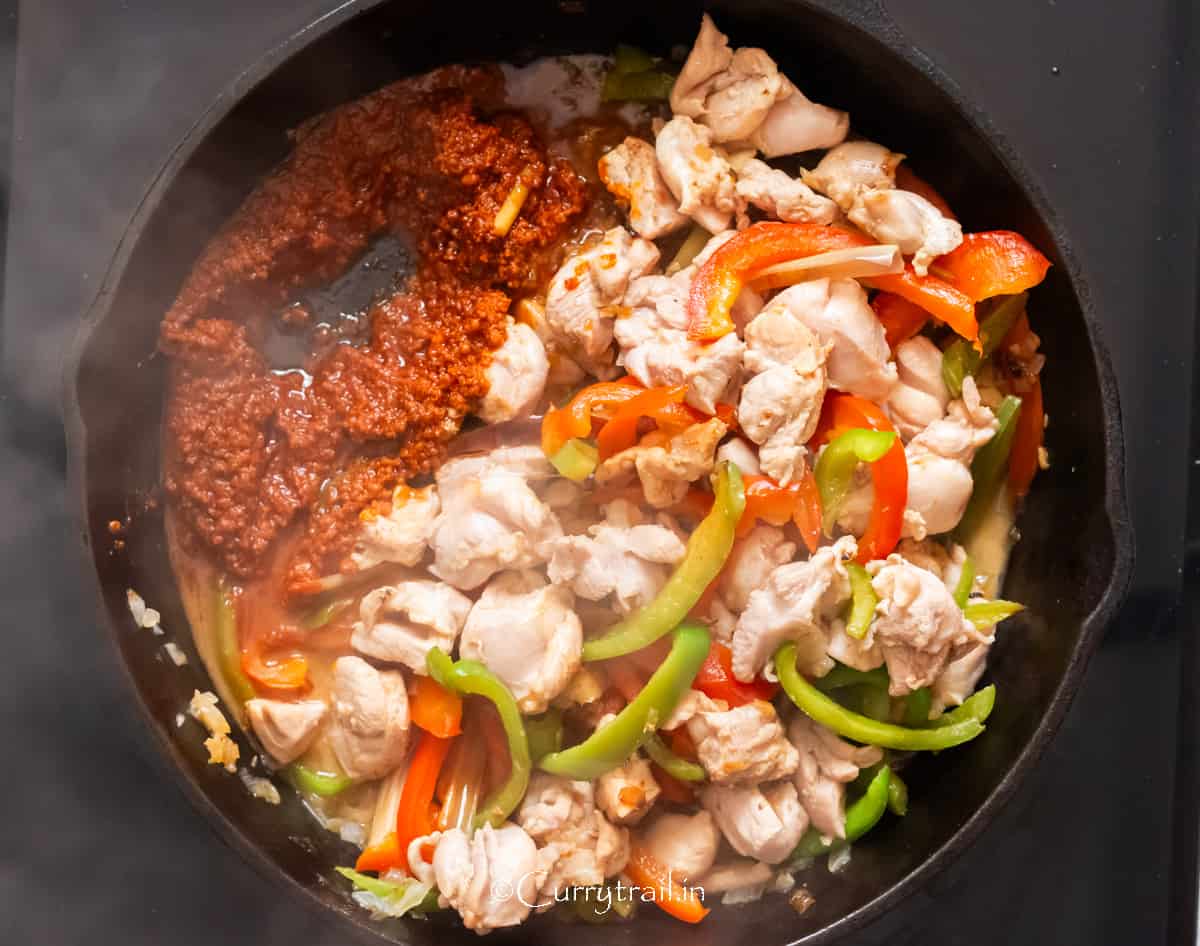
(97, 845)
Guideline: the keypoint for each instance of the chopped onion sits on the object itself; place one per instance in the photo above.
(855, 262)
(506, 216)
(839, 859)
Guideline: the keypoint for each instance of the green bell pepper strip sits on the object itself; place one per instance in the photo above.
(989, 466)
(403, 895)
(916, 708)
(627, 59)
(874, 702)
(321, 616)
(576, 459)
(861, 817)
(670, 763)
(312, 782)
(961, 359)
(975, 708)
(862, 601)
(835, 467)
(989, 613)
(842, 676)
(471, 678)
(614, 742)
(707, 549)
(816, 705)
(545, 733)
(229, 651)
(897, 801)
(966, 581)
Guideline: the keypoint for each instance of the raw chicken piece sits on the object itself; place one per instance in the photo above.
(516, 377)
(666, 471)
(286, 730)
(741, 454)
(628, 792)
(743, 745)
(684, 844)
(917, 624)
(851, 169)
(782, 196)
(630, 172)
(765, 822)
(730, 92)
(781, 403)
(753, 558)
(400, 623)
(909, 221)
(799, 602)
(491, 878)
(562, 817)
(837, 311)
(625, 556)
(827, 763)
(402, 535)
(369, 735)
(699, 177)
(528, 634)
(920, 396)
(939, 461)
(585, 293)
(656, 350)
(795, 124)
(491, 519)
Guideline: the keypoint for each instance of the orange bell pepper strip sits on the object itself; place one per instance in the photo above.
(901, 319)
(715, 679)
(621, 431)
(807, 515)
(993, 263)
(575, 418)
(414, 817)
(908, 180)
(434, 708)
(289, 673)
(768, 501)
(683, 903)
(381, 857)
(889, 474)
(720, 279)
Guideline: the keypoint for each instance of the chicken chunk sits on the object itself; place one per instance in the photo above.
(737, 874)
(400, 623)
(742, 745)
(666, 471)
(836, 310)
(827, 763)
(625, 794)
(851, 169)
(369, 735)
(798, 603)
(630, 172)
(765, 822)
(491, 878)
(584, 296)
(795, 124)
(625, 556)
(917, 624)
(684, 844)
(939, 461)
(782, 196)
(920, 396)
(562, 817)
(401, 536)
(781, 403)
(909, 221)
(528, 634)
(753, 558)
(516, 377)
(957, 681)
(931, 555)
(698, 175)
(491, 518)
(286, 729)
(656, 350)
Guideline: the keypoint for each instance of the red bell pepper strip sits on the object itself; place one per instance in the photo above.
(434, 708)
(289, 673)
(673, 789)
(414, 817)
(768, 501)
(808, 511)
(993, 263)
(900, 318)
(621, 431)
(575, 418)
(721, 277)
(908, 180)
(889, 474)
(381, 857)
(716, 679)
(668, 894)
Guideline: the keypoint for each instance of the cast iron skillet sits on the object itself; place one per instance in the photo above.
(1071, 567)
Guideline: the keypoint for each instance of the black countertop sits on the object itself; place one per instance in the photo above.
(1097, 848)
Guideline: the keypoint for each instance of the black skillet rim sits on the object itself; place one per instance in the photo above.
(867, 16)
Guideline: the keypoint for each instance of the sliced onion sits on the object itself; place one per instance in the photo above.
(855, 262)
